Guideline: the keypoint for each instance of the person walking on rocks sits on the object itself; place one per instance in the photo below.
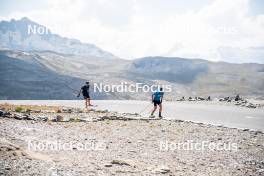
(157, 100)
(85, 92)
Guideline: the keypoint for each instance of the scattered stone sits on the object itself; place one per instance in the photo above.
(18, 116)
(102, 111)
(244, 101)
(257, 132)
(179, 121)
(77, 110)
(260, 171)
(67, 110)
(221, 99)
(75, 119)
(255, 163)
(8, 115)
(161, 170)
(191, 99)
(42, 118)
(2, 113)
(108, 165)
(28, 117)
(58, 118)
(201, 98)
(237, 103)
(120, 162)
(250, 105)
(237, 98)
(249, 145)
(7, 168)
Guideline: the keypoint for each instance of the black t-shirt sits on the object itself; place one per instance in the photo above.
(85, 89)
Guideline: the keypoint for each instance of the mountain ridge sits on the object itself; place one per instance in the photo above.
(188, 77)
(15, 35)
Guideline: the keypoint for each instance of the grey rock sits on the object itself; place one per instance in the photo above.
(58, 118)
(221, 99)
(257, 132)
(120, 162)
(28, 117)
(5, 114)
(161, 170)
(42, 118)
(108, 165)
(77, 110)
(260, 171)
(237, 103)
(67, 110)
(18, 116)
(250, 105)
(201, 98)
(2, 113)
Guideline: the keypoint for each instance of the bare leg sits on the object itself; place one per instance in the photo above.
(86, 103)
(89, 101)
(160, 109)
(155, 107)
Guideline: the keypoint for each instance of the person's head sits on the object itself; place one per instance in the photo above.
(87, 83)
(161, 89)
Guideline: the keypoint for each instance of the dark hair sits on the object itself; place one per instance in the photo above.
(87, 82)
(161, 89)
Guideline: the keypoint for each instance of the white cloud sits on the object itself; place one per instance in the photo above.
(131, 29)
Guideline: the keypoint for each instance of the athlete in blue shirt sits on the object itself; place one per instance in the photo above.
(157, 100)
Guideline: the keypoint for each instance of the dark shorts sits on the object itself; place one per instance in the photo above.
(86, 96)
(156, 102)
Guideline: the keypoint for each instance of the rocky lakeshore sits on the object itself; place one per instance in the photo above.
(53, 140)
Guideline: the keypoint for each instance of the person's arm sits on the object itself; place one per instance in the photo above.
(79, 93)
(161, 98)
(152, 98)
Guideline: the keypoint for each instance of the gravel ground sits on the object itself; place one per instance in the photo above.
(125, 144)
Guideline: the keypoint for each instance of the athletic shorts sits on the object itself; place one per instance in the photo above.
(156, 102)
(86, 96)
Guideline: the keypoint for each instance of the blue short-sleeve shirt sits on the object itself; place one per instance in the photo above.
(157, 95)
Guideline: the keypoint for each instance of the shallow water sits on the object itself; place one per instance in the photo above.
(210, 113)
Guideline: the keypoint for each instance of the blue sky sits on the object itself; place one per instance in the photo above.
(211, 29)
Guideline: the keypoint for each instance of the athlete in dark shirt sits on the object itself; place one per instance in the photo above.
(85, 92)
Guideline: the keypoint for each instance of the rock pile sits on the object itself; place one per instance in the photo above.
(66, 114)
(195, 99)
(238, 101)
